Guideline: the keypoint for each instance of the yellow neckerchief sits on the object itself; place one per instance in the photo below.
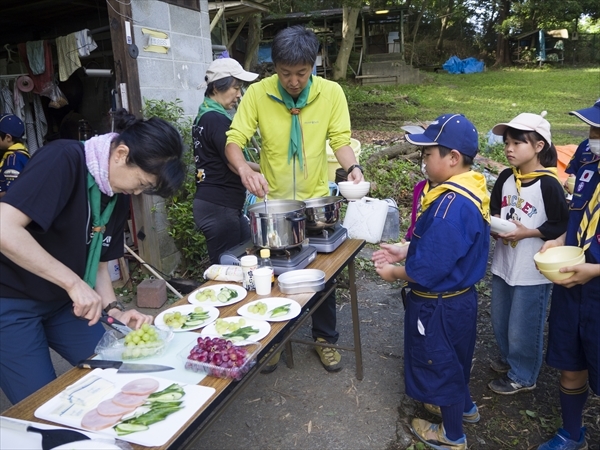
(470, 184)
(589, 221)
(547, 171)
(13, 149)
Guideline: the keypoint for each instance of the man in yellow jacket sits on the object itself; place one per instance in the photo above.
(296, 113)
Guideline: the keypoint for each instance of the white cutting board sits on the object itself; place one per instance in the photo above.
(22, 440)
(159, 433)
(170, 358)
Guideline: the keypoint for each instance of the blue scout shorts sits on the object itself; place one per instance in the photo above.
(439, 341)
(574, 332)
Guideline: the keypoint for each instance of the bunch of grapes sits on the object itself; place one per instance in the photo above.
(142, 342)
(259, 308)
(219, 358)
(226, 326)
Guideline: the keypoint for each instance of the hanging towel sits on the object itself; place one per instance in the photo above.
(18, 104)
(42, 83)
(85, 42)
(7, 97)
(41, 125)
(68, 56)
(35, 55)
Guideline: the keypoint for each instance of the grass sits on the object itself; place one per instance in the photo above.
(485, 98)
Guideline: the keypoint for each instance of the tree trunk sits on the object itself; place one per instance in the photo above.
(416, 28)
(440, 43)
(502, 49)
(254, 31)
(350, 18)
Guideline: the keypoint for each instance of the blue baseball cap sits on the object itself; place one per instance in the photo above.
(11, 124)
(454, 131)
(591, 116)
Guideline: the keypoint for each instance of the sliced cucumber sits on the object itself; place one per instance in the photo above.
(127, 428)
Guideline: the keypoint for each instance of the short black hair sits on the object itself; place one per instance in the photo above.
(16, 140)
(295, 45)
(467, 160)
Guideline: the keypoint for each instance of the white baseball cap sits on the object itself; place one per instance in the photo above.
(527, 122)
(228, 67)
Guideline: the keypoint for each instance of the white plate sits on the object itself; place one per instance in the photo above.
(499, 225)
(84, 445)
(158, 434)
(217, 288)
(213, 312)
(272, 303)
(263, 329)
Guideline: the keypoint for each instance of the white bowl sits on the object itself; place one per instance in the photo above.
(499, 225)
(557, 257)
(353, 191)
(555, 275)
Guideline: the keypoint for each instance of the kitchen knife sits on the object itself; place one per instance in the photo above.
(123, 367)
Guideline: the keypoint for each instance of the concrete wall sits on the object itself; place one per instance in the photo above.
(170, 76)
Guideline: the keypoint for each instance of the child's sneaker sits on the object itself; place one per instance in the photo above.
(468, 417)
(434, 436)
(506, 386)
(562, 441)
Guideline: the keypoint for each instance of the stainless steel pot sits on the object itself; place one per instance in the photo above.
(322, 212)
(281, 226)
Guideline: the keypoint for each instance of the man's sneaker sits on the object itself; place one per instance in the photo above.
(330, 357)
(497, 365)
(506, 386)
(468, 417)
(562, 441)
(272, 364)
(434, 436)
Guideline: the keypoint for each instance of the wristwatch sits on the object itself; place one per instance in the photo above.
(114, 305)
(354, 166)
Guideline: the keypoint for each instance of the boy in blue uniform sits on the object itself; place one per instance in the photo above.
(447, 255)
(14, 153)
(574, 322)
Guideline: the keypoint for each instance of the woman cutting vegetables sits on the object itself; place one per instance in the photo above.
(59, 226)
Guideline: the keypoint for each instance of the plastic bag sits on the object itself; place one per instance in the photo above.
(220, 272)
(57, 98)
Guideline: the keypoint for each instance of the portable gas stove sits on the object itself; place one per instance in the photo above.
(327, 240)
(294, 258)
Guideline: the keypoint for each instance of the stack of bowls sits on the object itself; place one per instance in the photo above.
(352, 191)
(552, 260)
(301, 281)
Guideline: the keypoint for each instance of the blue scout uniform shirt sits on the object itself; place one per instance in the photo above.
(450, 245)
(588, 178)
(11, 165)
(582, 155)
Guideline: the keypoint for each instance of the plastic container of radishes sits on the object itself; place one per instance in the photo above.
(218, 357)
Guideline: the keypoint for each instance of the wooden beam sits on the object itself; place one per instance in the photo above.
(215, 20)
(237, 31)
(127, 72)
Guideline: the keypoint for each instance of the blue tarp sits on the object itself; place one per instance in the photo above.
(457, 65)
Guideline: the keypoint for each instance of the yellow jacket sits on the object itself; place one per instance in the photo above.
(325, 116)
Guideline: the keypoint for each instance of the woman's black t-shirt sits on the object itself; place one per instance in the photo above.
(52, 191)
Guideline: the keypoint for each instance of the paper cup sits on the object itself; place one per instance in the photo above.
(262, 280)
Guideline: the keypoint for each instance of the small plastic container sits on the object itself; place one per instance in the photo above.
(112, 346)
(235, 373)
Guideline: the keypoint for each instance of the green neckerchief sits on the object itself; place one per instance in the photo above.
(99, 221)
(295, 148)
(210, 105)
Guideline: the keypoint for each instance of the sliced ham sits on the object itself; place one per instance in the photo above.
(141, 386)
(95, 422)
(110, 408)
(129, 400)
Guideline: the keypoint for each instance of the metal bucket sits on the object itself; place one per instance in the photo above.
(282, 225)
